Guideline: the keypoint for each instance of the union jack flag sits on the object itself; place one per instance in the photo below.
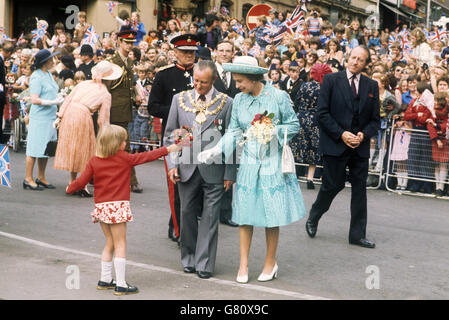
(38, 33)
(296, 19)
(292, 24)
(224, 11)
(270, 29)
(392, 39)
(438, 34)
(239, 29)
(5, 169)
(90, 37)
(111, 5)
(23, 108)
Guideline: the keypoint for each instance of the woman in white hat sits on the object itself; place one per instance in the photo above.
(263, 196)
(76, 144)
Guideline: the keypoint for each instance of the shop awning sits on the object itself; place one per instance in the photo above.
(395, 10)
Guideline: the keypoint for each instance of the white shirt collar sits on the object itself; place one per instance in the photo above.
(219, 68)
(208, 95)
(349, 74)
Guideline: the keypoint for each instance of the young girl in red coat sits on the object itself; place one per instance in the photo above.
(419, 163)
(440, 148)
(111, 170)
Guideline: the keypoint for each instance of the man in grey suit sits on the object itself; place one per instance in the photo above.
(208, 113)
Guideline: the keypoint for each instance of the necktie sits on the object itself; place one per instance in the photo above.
(225, 79)
(202, 97)
(353, 87)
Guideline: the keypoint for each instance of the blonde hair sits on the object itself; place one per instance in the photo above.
(79, 76)
(109, 140)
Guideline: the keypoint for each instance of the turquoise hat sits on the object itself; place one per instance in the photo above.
(244, 65)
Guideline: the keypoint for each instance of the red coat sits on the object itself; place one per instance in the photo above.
(411, 114)
(112, 175)
(439, 133)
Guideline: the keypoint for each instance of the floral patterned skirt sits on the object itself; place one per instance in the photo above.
(112, 212)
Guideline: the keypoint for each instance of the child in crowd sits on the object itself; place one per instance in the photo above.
(420, 163)
(139, 128)
(275, 76)
(79, 77)
(111, 170)
(440, 149)
(399, 152)
(81, 27)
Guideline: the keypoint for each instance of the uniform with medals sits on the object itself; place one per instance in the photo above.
(169, 81)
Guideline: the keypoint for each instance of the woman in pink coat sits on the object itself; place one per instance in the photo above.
(76, 144)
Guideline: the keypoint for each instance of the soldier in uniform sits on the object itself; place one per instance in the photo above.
(169, 81)
(123, 91)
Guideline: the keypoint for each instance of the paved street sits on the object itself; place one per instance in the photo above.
(47, 236)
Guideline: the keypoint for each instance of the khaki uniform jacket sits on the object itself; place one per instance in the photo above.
(122, 92)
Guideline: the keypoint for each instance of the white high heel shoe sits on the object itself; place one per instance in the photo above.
(268, 277)
(242, 279)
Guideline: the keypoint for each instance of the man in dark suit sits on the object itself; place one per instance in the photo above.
(226, 84)
(5, 53)
(348, 116)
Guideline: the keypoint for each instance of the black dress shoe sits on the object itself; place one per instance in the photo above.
(189, 269)
(204, 274)
(106, 285)
(136, 188)
(26, 185)
(45, 185)
(311, 228)
(172, 235)
(229, 222)
(365, 243)
(310, 185)
(83, 193)
(120, 291)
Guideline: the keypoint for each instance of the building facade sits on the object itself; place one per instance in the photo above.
(18, 15)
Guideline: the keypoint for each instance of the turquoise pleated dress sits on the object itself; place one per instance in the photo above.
(40, 128)
(263, 196)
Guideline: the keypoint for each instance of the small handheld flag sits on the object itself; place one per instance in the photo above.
(5, 169)
(111, 5)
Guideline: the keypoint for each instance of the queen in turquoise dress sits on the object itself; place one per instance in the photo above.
(264, 196)
(44, 105)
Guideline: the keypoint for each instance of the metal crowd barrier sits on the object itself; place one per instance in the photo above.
(376, 168)
(411, 163)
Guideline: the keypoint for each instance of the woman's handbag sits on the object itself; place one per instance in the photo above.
(288, 161)
(50, 151)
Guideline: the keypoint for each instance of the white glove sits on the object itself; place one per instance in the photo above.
(207, 155)
(56, 123)
(59, 100)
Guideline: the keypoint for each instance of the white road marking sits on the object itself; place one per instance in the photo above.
(151, 267)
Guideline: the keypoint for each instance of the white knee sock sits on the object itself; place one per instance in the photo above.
(120, 271)
(106, 271)
(400, 177)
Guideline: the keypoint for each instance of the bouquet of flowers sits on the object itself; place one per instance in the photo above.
(261, 130)
(182, 137)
